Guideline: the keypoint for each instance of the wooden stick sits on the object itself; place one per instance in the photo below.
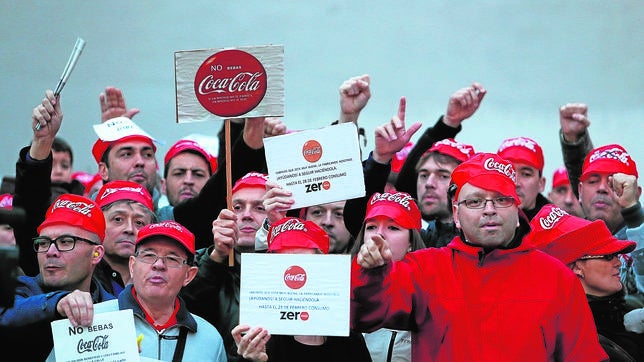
(229, 197)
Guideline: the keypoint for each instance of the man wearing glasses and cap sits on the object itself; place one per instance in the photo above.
(162, 264)
(68, 248)
(487, 295)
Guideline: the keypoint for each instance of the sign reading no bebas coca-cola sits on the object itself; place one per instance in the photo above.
(229, 83)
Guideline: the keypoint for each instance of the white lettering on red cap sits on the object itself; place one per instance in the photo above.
(519, 142)
(171, 225)
(463, 148)
(79, 206)
(111, 190)
(398, 197)
(552, 218)
(613, 154)
(291, 224)
(255, 174)
(503, 168)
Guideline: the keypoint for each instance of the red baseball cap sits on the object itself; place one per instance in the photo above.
(399, 206)
(608, 159)
(399, 157)
(291, 232)
(123, 190)
(190, 145)
(6, 201)
(568, 237)
(117, 130)
(453, 148)
(488, 171)
(170, 229)
(75, 210)
(251, 179)
(522, 150)
(560, 177)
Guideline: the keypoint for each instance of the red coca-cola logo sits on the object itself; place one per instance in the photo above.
(230, 83)
(304, 316)
(295, 277)
(312, 151)
(326, 185)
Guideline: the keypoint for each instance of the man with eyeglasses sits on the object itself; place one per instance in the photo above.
(163, 263)
(487, 295)
(68, 248)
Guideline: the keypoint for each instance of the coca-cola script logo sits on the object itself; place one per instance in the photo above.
(295, 277)
(230, 83)
(550, 220)
(312, 151)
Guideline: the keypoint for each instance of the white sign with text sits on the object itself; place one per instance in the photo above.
(111, 338)
(296, 294)
(318, 166)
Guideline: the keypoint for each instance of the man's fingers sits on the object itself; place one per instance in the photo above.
(402, 107)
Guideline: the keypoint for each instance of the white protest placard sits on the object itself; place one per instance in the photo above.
(111, 338)
(214, 84)
(296, 294)
(318, 166)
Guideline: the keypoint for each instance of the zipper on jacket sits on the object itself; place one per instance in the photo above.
(481, 257)
(392, 341)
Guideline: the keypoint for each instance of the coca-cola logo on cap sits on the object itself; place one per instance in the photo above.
(295, 277)
(230, 83)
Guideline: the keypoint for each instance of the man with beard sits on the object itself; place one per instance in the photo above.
(188, 166)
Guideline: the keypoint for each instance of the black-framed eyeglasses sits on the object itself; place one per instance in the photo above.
(608, 257)
(171, 261)
(63, 243)
(497, 202)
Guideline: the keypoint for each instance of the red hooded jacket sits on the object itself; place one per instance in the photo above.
(464, 305)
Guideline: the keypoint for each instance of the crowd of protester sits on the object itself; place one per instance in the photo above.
(456, 255)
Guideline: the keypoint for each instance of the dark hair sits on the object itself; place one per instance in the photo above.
(440, 158)
(166, 166)
(60, 145)
(415, 241)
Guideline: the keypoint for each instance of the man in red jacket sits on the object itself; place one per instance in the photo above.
(487, 296)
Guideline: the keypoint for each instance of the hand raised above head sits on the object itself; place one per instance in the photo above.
(392, 136)
(113, 105)
(573, 118)
(463, 103)
(354, 95)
